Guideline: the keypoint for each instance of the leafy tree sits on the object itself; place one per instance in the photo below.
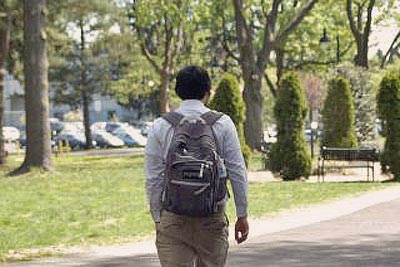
(134, 84)
(364, 91)
(228, 99)
(161, 27)
(389, 111)
(289, 154)
(38, 150)
(338, 115)
(10, 50)
(255, 47)
(85, 66)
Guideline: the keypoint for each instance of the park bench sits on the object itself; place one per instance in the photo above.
(366, 155)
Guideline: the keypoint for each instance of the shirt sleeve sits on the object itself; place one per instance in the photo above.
(236, 167)
(154, 166)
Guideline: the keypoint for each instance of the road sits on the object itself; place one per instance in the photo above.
(368, 238)
(109, 152)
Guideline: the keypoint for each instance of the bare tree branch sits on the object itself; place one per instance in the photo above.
(149, 57)
(243, 32)
(178, 44)
(390, 50)
(367, 29)
(271, 85)
(354, 29)
(168, 42)
(359, 17)
(269, 30)
(291, 26)
(224, 42)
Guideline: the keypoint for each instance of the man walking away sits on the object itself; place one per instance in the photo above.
(190, 154)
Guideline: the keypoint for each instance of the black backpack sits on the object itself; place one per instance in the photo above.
(195, 173)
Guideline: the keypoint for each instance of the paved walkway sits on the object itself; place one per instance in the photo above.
(357, 231)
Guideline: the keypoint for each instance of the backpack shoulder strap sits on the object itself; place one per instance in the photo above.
(211, 117)
(174, 118)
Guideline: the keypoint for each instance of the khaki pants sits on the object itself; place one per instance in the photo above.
(186, 241)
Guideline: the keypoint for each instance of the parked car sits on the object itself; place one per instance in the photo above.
(10, 134)
(130, 136)
(56, 126)
(112, 126)
(98, 126)
(105, 139)
(108, 126)
(74, 126)
(76, 140)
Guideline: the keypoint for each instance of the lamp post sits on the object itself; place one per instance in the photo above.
(324, 43)
(314, 126)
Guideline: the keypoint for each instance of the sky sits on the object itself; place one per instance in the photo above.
(382, 37)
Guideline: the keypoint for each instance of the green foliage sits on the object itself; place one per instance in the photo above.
(228, 99)
(364, 89)
(289, 154)
(339, 115)
(80, 65)
(303, 49)
(389, 111)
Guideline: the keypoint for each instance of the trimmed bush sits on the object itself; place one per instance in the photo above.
(289, 155)
(389, 111)
(228, 99)
(338, 115)
(364, 88)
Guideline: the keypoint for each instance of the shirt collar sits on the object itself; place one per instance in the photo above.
(192, 104)
(192, 107)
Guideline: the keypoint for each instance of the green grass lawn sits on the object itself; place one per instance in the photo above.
(101, 200)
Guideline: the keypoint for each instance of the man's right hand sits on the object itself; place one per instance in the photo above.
(241, 229)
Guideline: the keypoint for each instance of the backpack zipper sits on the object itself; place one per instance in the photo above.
(204, 186)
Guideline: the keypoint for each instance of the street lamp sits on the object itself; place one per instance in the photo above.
(324, 43)
(314, 126)
(151, 83)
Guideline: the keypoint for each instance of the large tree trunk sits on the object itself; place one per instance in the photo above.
(254, 106)
(83, 88)
(38, 149)
(86, 119)
(361, 59)
(4, 45)
(164, 91)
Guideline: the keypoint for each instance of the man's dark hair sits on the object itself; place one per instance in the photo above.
(192, 82)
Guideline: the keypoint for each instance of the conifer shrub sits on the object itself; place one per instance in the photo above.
(389, 112)
(289, 155)
(228, 99)
(338, 115)
(364, 88)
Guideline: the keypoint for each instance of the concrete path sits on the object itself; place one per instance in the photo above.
(357, 231)
(368, 238)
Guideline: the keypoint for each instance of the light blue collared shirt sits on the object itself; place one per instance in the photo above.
(157, 146)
